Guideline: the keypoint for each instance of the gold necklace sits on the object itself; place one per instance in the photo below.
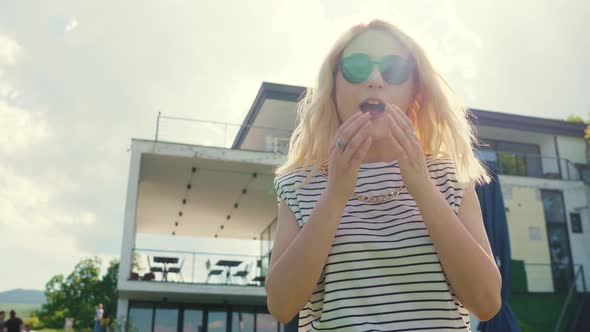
(365, 198)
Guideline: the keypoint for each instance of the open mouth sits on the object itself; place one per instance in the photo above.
(372, 106)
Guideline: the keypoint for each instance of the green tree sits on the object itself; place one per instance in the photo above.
(107, 292)
(78, 294)
(576, 118)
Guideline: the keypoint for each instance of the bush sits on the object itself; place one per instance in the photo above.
(33, 321)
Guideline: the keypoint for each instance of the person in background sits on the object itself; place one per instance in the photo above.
(14, 324)
(104, 322)
(98, 317)
(2, 316)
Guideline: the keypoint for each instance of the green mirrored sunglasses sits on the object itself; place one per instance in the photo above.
(357, 67)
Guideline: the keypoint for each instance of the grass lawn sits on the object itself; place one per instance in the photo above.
(539, 312)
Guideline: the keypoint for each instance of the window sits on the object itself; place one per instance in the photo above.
(576, 223)
(488, 155)
(266, 323)
(193, 320)
(520, 159)
(140, 317)
(166, 319)
(553, 206)
(515, 158)
(148, 317)
(558, 240)
(217, 321)
(243, 322)
(584, 173)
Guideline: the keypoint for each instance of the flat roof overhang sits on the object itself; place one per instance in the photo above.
(199, 187)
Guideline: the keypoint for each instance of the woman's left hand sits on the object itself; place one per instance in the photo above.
(408, 149)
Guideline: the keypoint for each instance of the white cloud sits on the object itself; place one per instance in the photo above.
(21, 128)
(9, 50)
(31, 200)
(72, 24)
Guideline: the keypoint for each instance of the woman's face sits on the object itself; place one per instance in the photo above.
(361, 96)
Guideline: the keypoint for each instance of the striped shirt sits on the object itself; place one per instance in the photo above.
(382, 272)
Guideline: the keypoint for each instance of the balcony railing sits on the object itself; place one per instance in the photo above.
(196, 267)
(531, 165)
(572, 305)
(216, 134)
(556, 278)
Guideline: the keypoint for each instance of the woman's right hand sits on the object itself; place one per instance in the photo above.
(343, 164)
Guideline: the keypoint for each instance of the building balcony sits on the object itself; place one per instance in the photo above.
(199, 224)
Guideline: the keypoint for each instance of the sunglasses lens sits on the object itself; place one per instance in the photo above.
(356, 68)
(395, 69)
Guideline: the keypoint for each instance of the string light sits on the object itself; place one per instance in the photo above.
(189, 186)
(236, 204)
(184, 199)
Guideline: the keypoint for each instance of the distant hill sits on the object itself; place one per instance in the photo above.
(22, 310)
(23, 296)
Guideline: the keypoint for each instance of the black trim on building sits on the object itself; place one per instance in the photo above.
(527, 123)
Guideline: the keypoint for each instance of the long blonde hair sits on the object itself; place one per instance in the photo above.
(440, 121)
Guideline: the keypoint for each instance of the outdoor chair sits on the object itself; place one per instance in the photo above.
(177, 270)
(214, 272)
(154, 269)
(244, 273)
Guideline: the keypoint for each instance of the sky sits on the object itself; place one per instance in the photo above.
(80, 79)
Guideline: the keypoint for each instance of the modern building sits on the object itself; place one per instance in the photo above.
(178, 189)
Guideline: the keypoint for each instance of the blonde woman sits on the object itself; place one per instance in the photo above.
(379, 225)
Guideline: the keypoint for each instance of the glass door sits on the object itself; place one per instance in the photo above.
(166, 319)
(558, 240)
(193, 320)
